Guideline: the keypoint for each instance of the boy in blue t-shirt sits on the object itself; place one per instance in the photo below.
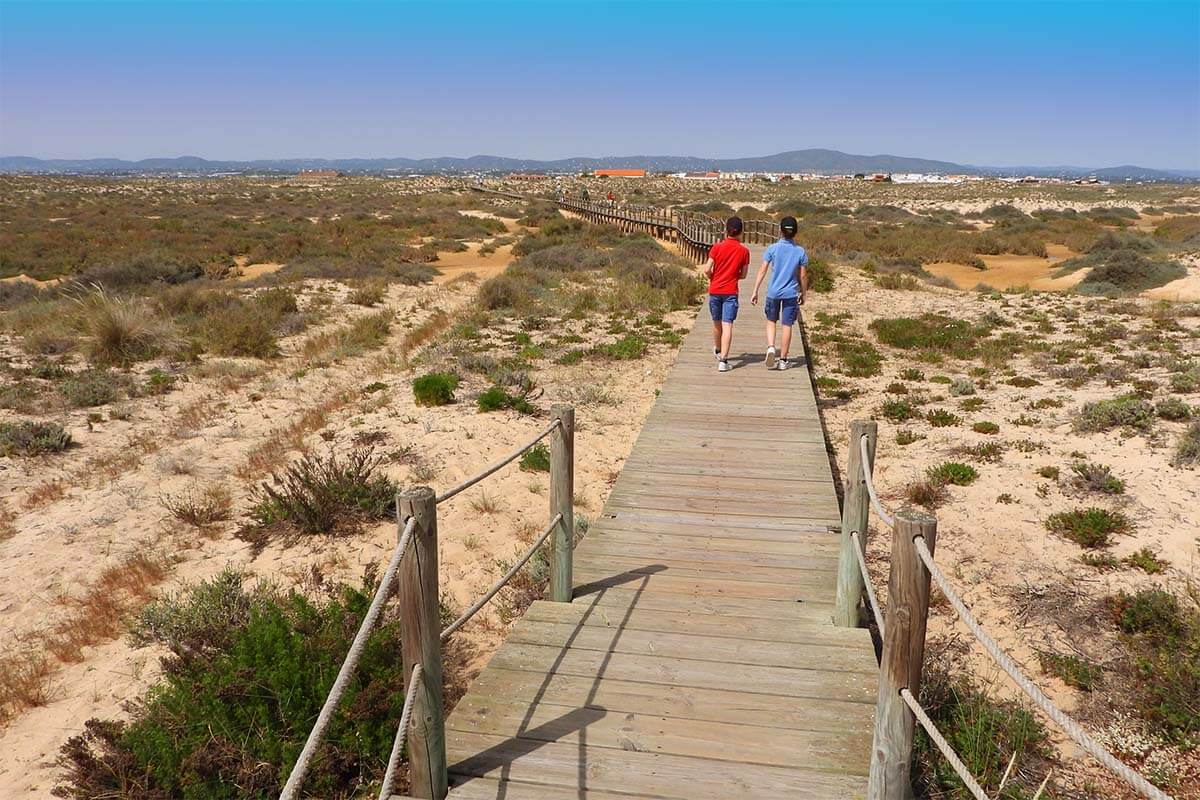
(785, 290)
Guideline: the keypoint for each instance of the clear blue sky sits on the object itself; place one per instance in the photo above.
(1087, 83)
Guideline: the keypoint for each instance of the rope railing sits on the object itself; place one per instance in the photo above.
(935, 735)
(880, 511)
(866, 575)
(504, 579)
(1002, 659)
(508, 459)
(902, 653)
(410, 694)
(370, 620)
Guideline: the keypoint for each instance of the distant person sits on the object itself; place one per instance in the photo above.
(727, 263)
(611, 197)
(785, 291)
(586, 196)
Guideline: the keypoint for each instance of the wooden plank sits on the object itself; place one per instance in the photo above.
(780, 609)
(679, 702)
(493, 789)
(816, 654)
(604, 544)
(811, 509)
(647, 579)
(742, 540)
(618, 563)
(640, 774)
(836, 751)
(633, 617)
(855, 687)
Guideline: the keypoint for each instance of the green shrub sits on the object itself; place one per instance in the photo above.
(1023, 382)
(320, 493)
(435, 388)
(1100, 561)
(987, 452)
(1127, 411)
(859, 358)
(1074, 671)
(159, 382)
(1089, 527)
(952, 472)
(898, 410)
(250, 670)
(1097, 478)
(93, 387)
(941, 418)
(28, 438)
(1172, 408)
(989, 428)
(536, 459)
(1049, 472)
(911, 374)
(1146, 561)
(628, 348)
(907, 437)
(983, 731)
(241, 330)
(1187, 451)
(497, 399)
(820, 276)
(929, 331)
(962, 387)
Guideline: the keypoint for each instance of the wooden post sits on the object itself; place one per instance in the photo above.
(855, 515)
(420, 642)
(903, 653)
(562, 491)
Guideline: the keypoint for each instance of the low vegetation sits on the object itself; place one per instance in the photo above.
(32, 438)
(1089, 527)
(435, 389)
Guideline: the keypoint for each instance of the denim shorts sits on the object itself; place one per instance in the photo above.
(723, 307)
(785, 307)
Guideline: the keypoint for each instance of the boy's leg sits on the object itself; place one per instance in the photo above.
(726, 338)
(787, 319)
(771, 308)
(715, 310)
(717, 327)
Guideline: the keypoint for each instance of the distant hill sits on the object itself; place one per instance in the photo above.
(810, 160)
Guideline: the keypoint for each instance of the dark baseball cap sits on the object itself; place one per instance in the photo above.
(788, 225)
(733, 226)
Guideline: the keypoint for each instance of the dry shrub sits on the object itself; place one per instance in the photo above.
(437, 322)
(269, 454)
(8, 528)
(24, 682)
(365, 333)
(200, 507)
(121, 330)
(45, 493)
(98, 615)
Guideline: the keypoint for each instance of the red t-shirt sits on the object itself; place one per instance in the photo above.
(729, 256)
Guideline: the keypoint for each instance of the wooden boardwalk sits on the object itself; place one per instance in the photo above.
(698, 659)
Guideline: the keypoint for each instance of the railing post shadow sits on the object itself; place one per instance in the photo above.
(903, 654)
(562, 491)
(420, 643)
(855, 516)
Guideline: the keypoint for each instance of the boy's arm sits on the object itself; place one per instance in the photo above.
(745, 267)
(709, 266)
(762, 271)
(803, 278)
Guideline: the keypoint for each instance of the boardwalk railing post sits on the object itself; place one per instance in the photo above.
(420, 643)
(855, 515)
(562, 491)
(903, 652)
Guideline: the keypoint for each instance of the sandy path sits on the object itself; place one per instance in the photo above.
(1008, 271)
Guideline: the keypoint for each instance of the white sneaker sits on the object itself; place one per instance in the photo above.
(717, 353)
(783, 364)
(722, 366)
(770, 358)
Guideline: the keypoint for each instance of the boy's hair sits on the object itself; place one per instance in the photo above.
(788, 226)
(733, 226)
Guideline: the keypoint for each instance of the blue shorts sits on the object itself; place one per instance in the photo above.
(786, 308)
(723, 307)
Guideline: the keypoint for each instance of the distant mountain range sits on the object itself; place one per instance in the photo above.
(811, 160)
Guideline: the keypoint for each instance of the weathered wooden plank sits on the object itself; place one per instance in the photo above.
(603, 543)
(651, 580)
(856, 687)
(687, 622)
(785, 576)
(814, 654)
(782, 610)
(649, 732)
(640, 774)
(748, 540)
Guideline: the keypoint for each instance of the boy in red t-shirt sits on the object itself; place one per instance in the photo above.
(728, 260)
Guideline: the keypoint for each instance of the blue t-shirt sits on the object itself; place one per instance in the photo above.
(785, 257)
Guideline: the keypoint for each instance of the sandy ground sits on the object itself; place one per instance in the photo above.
(60, 548)
(1026, 586)
(1009, 271)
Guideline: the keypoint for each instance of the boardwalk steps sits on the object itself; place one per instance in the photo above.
(698, 658)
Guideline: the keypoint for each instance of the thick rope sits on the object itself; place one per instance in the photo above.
(505, 578)
(1072, 728)
(862, 567)
(508, 459)
(389, 777)
(880, 511)
(292, 788)
(964, 774)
